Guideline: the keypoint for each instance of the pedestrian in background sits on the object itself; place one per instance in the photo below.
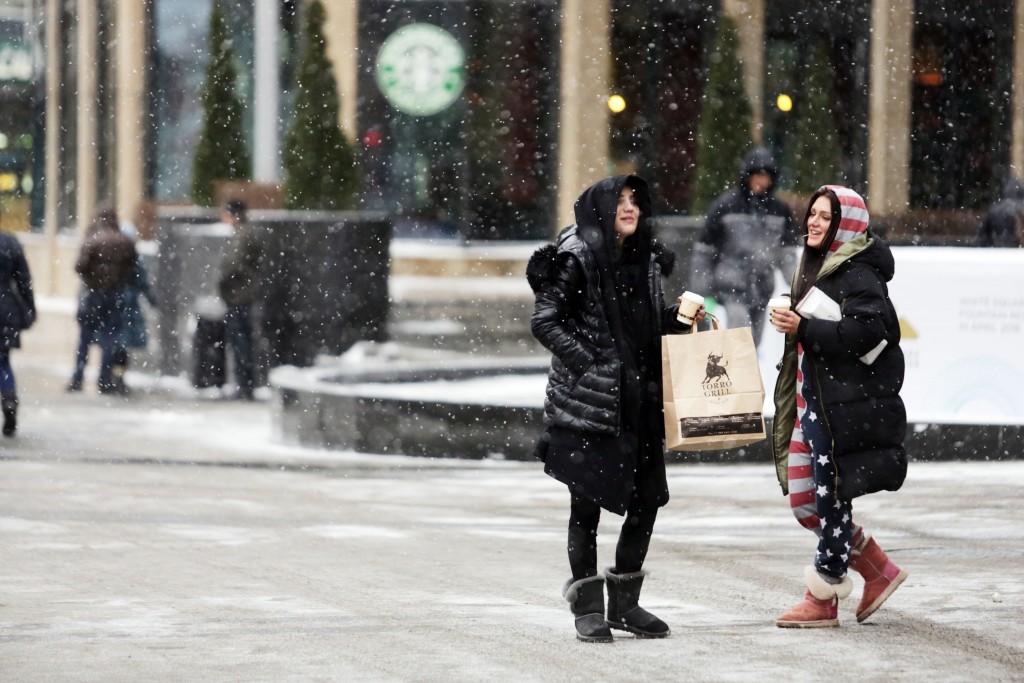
(600, 311)
(106, 262)
(238, 286)
(839, 419)
(17, 313)
(133, 331)
(745, 238)
(1003, 223)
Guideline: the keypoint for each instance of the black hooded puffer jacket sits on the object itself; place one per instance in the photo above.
(864, 413)
(572, 318)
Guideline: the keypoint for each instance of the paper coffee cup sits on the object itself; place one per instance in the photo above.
(781, 303)
(688, 307)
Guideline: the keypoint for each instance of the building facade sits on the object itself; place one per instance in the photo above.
(485, 118)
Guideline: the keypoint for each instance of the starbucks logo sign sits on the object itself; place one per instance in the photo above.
(420, 69)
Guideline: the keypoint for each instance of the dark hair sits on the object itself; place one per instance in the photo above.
(236, 207)
(813, 257)
(104, 217)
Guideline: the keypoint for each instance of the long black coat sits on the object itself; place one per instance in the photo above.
(578, 317)
(863, 411)
(17, 305)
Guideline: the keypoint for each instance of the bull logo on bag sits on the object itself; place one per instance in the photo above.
(714, 370)
(716, 378)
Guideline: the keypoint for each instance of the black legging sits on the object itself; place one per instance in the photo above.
(631, 550)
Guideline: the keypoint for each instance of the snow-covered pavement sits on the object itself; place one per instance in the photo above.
(169, 538)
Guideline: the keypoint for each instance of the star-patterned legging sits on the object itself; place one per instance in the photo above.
(812, 479)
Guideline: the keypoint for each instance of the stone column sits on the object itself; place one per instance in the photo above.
(266, 92)
(584, 118)
(130, 106)
(749, 18)
(53, 197)
(342, 27)
(1017, 110)
(892, 31)
(85, 114)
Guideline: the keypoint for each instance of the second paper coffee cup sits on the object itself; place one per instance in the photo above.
(688, 307)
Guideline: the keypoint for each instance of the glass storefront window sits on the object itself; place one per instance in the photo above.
(480, 165)
(180, 52)
(657, 65)
(16, 115)
(792, 29)
(960, 102)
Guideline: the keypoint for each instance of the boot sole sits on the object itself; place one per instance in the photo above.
(637, 632)
(821, 623)
(873, 607)
(594, 639)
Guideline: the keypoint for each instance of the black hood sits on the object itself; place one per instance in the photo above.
(878, 256)
(758, 159)
(595, 220)
(595, 211)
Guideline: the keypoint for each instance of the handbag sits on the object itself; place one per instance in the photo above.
(712, 389)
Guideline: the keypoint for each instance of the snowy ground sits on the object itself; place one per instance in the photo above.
(169, 538)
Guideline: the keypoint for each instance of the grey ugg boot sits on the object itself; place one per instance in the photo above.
(10, 410)
(623, 611)
(586, 600)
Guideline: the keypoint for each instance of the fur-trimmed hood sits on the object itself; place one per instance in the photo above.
(541, 266)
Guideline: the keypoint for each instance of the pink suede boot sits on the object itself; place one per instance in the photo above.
(820, 607)
(881, 576)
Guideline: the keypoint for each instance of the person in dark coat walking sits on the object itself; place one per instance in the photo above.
(839, 419)
(105, 263)
(1003, 223)
(747, 235)
(600, 311)
(133, 331)
(17, 313)
(238, 286)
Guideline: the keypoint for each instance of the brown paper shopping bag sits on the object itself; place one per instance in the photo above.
(714, 397)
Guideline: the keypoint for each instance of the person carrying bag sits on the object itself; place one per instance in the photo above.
(600, 310)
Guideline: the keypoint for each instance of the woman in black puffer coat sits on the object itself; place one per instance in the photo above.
(600, 311)
(839, 419)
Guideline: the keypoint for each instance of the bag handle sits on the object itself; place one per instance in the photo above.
(714, 323)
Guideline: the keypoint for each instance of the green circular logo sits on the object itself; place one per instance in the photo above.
(420, 69)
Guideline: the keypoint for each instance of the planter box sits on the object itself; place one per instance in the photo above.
(324, 281)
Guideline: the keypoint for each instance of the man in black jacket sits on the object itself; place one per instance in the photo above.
(238, 286)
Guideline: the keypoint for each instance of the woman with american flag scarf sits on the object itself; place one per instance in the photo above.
(839, 421)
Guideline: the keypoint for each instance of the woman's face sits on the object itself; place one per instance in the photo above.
(627, 215)
(818, 221)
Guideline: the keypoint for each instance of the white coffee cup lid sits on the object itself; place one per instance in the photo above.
(694, 297)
